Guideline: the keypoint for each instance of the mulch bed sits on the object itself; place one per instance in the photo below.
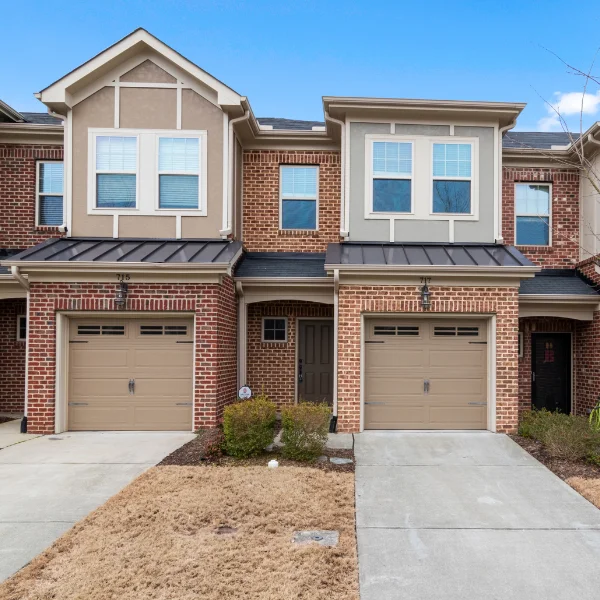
(193, 454)
(563, 468)
(7, 419)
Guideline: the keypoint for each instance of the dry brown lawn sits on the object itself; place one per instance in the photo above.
(156, 540)
(588, 488)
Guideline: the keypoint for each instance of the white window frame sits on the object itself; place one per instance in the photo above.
(202, 161)
(147, 191)
(19, 319)
(471, 179)
(370, 176)
(262, 329)
(548, 184)
(292, 165)
(38, 192)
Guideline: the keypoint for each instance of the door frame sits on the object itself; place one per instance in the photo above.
(297, 348)
(571, 387)
(490, 319)
(61, 387)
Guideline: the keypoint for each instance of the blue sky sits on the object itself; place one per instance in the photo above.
(285, 55)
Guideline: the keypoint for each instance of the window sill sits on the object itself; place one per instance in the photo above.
(48, 228)
(298, 232)
(532, 247)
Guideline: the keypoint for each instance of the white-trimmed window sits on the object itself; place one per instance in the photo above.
(391, 174)
(21, 328)
(452, 178)
(179, 168)
(274, 329)
(49, 192)
(533, 214)
(298, 200)
(116, 171)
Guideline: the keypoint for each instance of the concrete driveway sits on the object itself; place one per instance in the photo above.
(49, 483)
(468, 515)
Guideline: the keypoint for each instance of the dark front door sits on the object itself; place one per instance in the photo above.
(551, 371)
(315, 361)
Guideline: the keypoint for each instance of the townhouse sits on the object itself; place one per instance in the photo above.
(416, 264)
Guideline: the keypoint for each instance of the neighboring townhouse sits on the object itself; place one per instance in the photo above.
(407, 261)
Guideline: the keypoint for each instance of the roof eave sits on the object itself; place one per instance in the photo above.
(496, 271)
(560, 298)
(276, 281)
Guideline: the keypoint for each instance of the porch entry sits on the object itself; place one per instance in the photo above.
(551, 371)
(315, 360)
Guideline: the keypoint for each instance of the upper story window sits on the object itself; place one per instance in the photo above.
(147, 172)
(50, 193)
(178, 173)
(392, 169)
(298, 197)
(452, 172)
(532, 213)
(116, 171)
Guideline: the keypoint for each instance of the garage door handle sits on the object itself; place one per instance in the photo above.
(375, 402)
(183, 403)
(132, 386)
(426, 386)
(78, 403)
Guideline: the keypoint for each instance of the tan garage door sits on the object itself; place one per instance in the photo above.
(130, 374)
(425, 374)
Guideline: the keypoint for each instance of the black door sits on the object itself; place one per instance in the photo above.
(551, 371)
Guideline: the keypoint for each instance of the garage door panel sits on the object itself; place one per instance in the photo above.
(434, 380)
(102, 367)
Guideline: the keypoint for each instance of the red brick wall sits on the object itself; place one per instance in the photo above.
(538, 325)
(587, 364)
(272, 365)
(260, 219)
(212, 304)
(564, 251)
(355, 300)
(17, 194)
(12, 357)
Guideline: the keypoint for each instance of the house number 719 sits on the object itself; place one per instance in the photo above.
(123, 277)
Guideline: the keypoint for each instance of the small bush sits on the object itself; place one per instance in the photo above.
(305, 428)
(535, 423)
(571, 438)
(249, 426)
(213, 443)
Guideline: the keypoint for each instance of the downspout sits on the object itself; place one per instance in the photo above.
(501, 132)
(66, 174)
(242, 334)
(16, 273)
(336, 312)
(592, 140)
(343, 224)
(229, 221)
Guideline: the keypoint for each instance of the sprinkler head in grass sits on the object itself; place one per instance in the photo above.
(272, 464)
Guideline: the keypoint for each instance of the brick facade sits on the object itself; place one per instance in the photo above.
(564, 251)
(271, 366)
(18, 229)
(12, 357)
(260, 219)
(216, 342)
(357, 300)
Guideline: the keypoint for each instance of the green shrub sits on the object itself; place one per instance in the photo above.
(570, 438)
(535, 423)
(305, 428)
(249, 426)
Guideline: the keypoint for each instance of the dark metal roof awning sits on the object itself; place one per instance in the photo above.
(281, 265)
(357, 255)
(557, 282)
(206, 253)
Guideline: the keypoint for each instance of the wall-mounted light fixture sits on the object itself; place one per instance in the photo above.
(121, 296)
(425, 293)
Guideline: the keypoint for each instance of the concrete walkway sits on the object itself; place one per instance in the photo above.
(10, 433)
(468, 515)
(50, 483)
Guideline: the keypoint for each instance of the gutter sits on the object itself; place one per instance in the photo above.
(557, 298)
(228, 218)
(16, 273)
(278, 281)
(343, 225)
(441, 270)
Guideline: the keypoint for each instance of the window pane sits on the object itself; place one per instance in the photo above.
(533, 231)
(274, 330)
(532, 199)
(51, 178)
(51, 210)
(299, 182)
(452, 160)
(116, 153)
(392, 157)
(178, 191)
(179, 154)
(451, 196)
(391, 195)
(299, 214)
(115, 191)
